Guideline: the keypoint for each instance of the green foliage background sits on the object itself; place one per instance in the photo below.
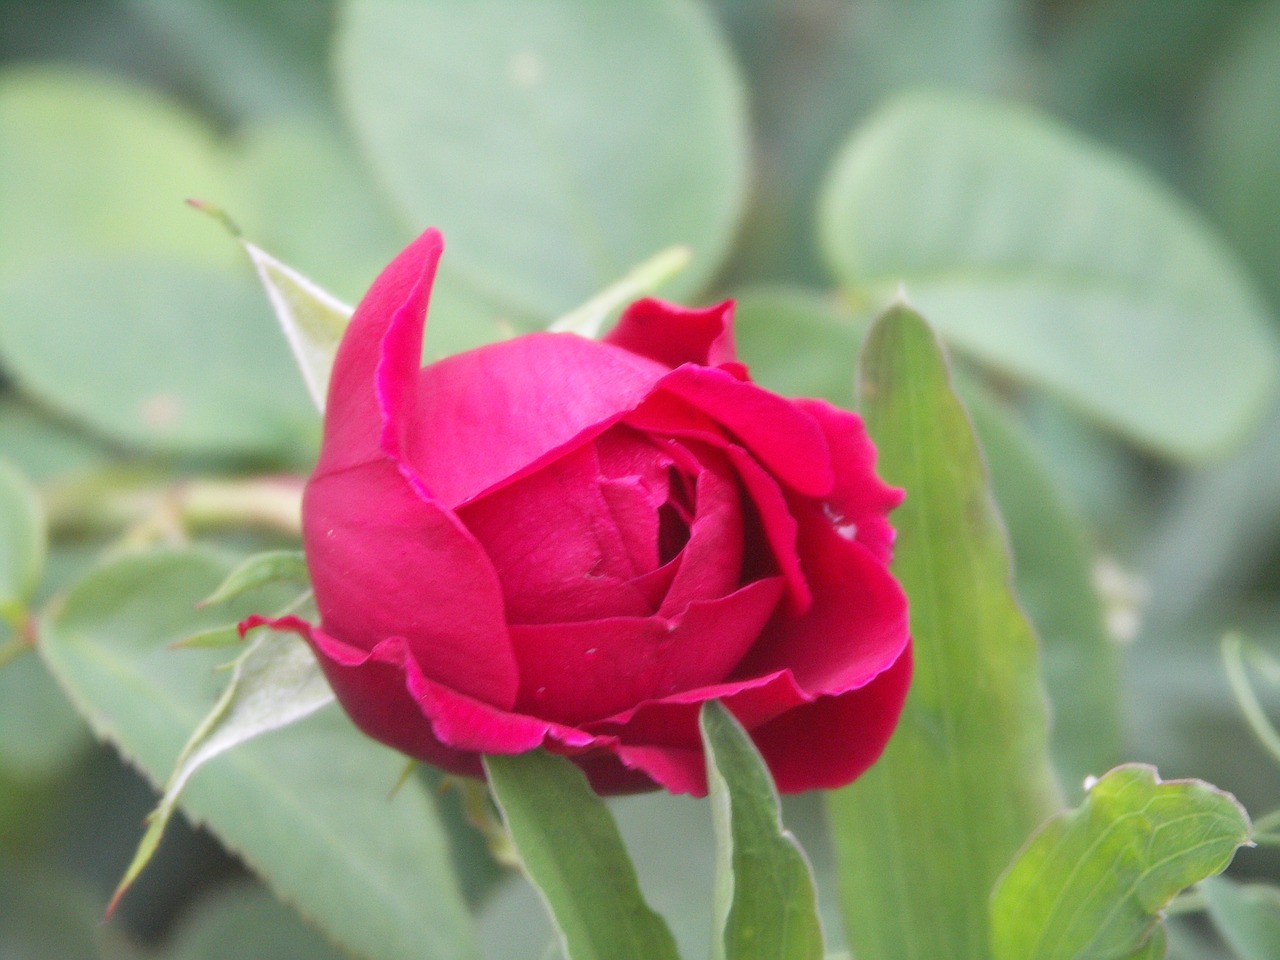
(1082, 197)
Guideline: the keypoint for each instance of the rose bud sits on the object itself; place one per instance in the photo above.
(572, 544)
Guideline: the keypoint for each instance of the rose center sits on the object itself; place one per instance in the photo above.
(674, 517)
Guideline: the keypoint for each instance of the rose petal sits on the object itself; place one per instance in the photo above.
(556, 546)
(675, 769)
(776, 431)
(373, 693)
(380, 351)
(710, 565)
(487, 417)
(856, 626)
(576, 672)
(860, 500)
(386, 563)
(777, 524)
(673, 335)
(828, 743)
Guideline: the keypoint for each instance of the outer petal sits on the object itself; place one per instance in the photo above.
(578, 672)
(777, 432)
(856, 626)
(388, 697)
(859, 498)
(673, 335)
(386, 563)
(380, 350)
(492, 415)
(830, 742)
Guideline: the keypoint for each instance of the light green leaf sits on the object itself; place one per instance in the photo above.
(525, 132)
(1091, 883)
(313, 321)
(1053, 564)
(1247, 916)
(258, 570)
(797, 342)
(155, 353)
(306, 807)
(571, 851)
(88, 162)
(274, 683)
(641, 281)
(1056, 261)
(335, 223)
(22, 543)
(923, 835)
(40, 734)
(766, 903)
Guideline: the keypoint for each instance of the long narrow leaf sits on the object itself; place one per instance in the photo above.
(571, 851)
(923, 836)
(766, 903)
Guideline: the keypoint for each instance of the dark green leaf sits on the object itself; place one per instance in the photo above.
(922, 837)
(247, 923)
(766, 904)
(571, 851)
(1241, 141)
(1091, 883)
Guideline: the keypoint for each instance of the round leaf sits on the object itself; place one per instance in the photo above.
(1054, 260)
(89, 161)
(155, 353)
(555, 143)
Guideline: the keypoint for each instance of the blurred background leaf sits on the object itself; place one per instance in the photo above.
(138, 356)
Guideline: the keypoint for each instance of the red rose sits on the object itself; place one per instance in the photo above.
(559, 542)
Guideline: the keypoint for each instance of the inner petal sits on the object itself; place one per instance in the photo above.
(556, 545)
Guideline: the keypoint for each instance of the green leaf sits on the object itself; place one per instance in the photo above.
(1056, 261)
(1247, 916)
(1091, 883)
(222, 385)
(90, 163)
(48, 916)
(258, 570)
(526, 133)
(306, 807)
(246, 922)
(335, 223)
(766, 903)
(274, 683)
(640, 281)
(923, 835)
(1240, 141)
(40, 734)
(1053, 564)
(313, 321)
(22, 543)
(800, 343)
(572, 853)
